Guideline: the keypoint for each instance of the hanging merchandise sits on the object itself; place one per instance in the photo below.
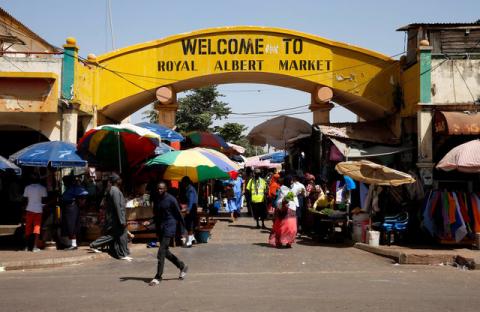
(452, 216)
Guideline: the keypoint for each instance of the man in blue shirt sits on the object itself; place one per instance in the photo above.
(166, 215)
(191, 198)
(237, 190)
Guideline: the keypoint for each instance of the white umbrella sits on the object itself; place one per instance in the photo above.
(464, 158)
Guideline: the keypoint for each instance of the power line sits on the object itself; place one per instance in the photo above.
(12, 63)
(270, 115)
(344, 104)
(273, 111)
(10, 28)
(110, 20)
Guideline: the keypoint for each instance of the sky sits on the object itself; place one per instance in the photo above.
(370, 24)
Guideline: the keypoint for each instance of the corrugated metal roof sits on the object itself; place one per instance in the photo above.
(457, 123)
(29, 32)
(439, 25)
(355, 150)
(368, 131)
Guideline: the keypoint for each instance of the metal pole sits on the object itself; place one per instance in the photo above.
(119, 153)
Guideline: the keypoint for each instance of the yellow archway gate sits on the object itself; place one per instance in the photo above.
(127, 79)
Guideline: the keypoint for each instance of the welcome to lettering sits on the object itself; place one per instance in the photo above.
(203, 46)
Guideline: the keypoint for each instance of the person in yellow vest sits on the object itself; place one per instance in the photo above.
(257, 187)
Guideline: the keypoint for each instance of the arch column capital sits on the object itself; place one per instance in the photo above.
(166, 95)
(321, 105)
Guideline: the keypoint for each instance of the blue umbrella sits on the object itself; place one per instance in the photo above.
(56, 153)
(6, 165)
(276, 157)
(163, 148)
(165, 133)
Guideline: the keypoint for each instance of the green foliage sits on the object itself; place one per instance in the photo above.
(250, 150)
(199, 108)
(231, 131)
(151, 115)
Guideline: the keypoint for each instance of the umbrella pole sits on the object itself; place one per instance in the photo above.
(119, 153)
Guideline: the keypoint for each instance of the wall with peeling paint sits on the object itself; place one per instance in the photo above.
(455, 81)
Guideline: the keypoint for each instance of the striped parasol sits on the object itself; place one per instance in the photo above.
(199, 164)
(118, 146)
(464, 158)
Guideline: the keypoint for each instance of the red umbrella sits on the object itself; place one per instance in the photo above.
(206, 139)
(464, 158)
(118, 146)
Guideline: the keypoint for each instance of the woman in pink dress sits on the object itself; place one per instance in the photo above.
(284, 230)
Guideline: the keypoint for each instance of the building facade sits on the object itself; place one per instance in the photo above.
(441, 73)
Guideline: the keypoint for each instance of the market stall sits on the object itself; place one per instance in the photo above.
(384, 201)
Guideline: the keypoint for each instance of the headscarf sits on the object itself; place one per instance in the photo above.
(274, 185)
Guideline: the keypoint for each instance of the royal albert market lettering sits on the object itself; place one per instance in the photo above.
(199, 47)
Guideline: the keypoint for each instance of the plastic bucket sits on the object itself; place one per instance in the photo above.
(373, 238)
(203, 236)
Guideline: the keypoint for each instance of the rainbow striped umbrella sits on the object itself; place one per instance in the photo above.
(118, 146)
(198, 164)
(206, 139)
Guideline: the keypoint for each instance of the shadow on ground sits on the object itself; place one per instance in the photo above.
(252, 227)
(315, 241)
(263, 245)
(146, 280)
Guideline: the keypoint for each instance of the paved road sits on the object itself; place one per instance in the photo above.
(237, 271)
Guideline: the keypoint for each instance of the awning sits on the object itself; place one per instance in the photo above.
(367, 131)
(355, 150)
(457, 123)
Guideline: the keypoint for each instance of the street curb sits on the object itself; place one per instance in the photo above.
(422, 259)
(50, 262)
(58, 262)
(392, 254)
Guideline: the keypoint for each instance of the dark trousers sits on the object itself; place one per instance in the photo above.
(301, 212)
(101, 241)
(191, 219)
(164, 252)
(259, 211)
(117, 242)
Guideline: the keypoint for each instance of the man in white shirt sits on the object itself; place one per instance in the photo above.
(298, 189)
(35, 194)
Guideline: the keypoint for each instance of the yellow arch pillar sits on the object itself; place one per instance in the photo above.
(166, 106)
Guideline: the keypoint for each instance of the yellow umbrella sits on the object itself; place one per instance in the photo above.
(372, 173)
(198, 164)
(219, 155)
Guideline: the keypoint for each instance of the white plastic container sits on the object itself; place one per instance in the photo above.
(360, 224)
(358, 232)
(373, 238)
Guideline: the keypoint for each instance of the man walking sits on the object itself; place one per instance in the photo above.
(299, 191)
(257, 188)
(36, 195)
(115, 222)
(190, 195)
(166, 215)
